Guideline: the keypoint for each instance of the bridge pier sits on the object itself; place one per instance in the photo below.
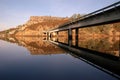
(76, 36)
(48, 34)
(70, 37)
(57, 35)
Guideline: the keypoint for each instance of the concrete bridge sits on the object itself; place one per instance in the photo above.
(109, 14)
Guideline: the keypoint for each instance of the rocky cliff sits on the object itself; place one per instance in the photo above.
(37, 24)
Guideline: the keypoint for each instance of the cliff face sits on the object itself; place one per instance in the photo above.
(37, 24)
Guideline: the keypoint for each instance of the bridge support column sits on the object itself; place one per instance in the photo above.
(69, 37)
(49, 35)
(76, 36)
(57, 35)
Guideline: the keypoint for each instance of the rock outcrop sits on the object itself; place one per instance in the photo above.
(37, 24)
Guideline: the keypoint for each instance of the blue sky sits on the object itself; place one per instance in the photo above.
(16, 12)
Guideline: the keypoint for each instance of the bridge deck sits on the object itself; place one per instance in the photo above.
(105, 15)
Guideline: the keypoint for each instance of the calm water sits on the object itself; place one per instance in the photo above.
(35, 59)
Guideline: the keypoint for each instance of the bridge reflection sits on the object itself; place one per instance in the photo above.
(105, 59)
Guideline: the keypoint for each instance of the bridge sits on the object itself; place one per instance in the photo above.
(105, 62)
(109, 14)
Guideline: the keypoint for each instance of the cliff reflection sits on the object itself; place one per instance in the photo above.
(40, 45)
(108, 45)
(36, 45)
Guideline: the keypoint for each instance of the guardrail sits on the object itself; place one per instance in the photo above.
(94, 13)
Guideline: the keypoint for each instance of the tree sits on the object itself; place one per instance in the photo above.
(75, 16)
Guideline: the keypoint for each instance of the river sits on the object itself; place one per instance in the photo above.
(34, 58)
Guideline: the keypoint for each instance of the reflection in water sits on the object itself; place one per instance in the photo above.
(109, 45)
(36, 45)
(106, 45)
(55, 67)
(86, 48)
(40, 45)
(63, 37)
(14, 63)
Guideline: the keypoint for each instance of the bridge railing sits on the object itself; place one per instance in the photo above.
(94, 13)
(101, 10)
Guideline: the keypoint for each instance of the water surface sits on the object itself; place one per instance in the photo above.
(35, 59)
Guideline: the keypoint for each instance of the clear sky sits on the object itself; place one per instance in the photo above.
(16, 12)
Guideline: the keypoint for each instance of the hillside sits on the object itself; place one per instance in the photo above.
(35, 26)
